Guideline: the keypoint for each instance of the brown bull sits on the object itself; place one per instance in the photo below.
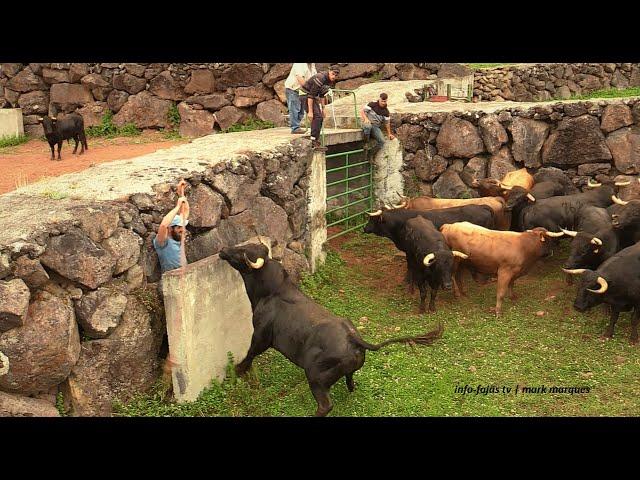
(507, 254)
(497, 204)
(490, 187)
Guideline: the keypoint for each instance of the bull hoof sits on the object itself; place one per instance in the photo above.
(633, 341)
(432, 309)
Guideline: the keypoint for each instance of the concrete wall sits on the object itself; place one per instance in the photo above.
(317, 208)
(208, 314)
(388, 182)
(11, 122)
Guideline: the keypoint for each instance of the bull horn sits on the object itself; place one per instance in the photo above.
(622, 184)
(571, 233)
(258, 263)
(596, 241)
(265, 244)
(603, 286)
(531, 197)
(506, 187)
(591, 184)
(456, 253)
(40, 119)
(574, 271)
(554, 234)
(53, 118)
(429, 259)
(375, 214)
(617, 200)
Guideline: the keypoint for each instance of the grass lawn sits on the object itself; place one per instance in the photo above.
(540, 340)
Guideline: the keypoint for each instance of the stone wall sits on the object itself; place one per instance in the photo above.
(444, 152)
(527, 83)
(79, 308)
(142, 93)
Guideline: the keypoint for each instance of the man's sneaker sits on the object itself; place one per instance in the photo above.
(299, 131)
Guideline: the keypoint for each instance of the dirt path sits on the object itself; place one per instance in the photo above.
(30, 162)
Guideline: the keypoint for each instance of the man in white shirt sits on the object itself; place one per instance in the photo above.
(300, 73)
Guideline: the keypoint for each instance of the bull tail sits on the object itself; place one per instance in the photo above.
(424, 339)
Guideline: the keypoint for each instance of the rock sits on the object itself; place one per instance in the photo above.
(528, 139)
(590, 83)
(206, 206)
(624, 145)
(459, 138)
(615, 116)
(92, 113)
(295, 264)
(5, 265)
(564, 92)
(134, 278)
(239, 185)
(94, 80)
(618, 80)
(493, 133)
(100, 312)
(118, 367)
(97, 222)
(70, 93)
(142, 201)
(249, 96)
(55, 76)
(77, 71)
(34, 103)
(428, 166)
(201, 81)
(475, 169)
(10, 69)
(135, 69)
(124, 247)
(556, 175)
(14, 303)
(194, 123)
(26, 81)
(149, 259)
(279, 71)
(388, 70)
(21, 406)
(576, 140)
(279, 88)
(42, 352)
(144, 111)
(575, 109)
(240, 75)
(129, 83)
(215, 101)
(230, 115)
(353, 83)
(453, 70)
(167, 87)
(591, 169)
(34, 131)
(412, 137)
(204, 245)
(279, 185)
(634, 78)
(354, 70)
(272, 111)
(408, 71)
(116, 99)
(31, 271)
(450, 185)
(76, 257)
(635, 112)
(500, 164)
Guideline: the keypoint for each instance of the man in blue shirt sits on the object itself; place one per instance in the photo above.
(170, 232)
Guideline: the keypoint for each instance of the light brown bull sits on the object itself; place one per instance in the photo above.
(497, 204)
(507, 254)
(492, 187)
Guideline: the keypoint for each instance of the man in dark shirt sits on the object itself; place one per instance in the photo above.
(313, 100)
(374, 115)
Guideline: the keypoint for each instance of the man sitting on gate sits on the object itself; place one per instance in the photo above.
(373, 116)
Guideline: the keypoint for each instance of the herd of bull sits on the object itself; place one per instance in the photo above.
(517, 221)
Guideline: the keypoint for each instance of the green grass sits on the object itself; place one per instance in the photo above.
(609, 93)
(250, 124)
(12, 141)
(560, 348)
(108, 129)
(54, 195)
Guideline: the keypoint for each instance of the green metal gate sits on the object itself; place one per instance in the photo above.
(355, 192)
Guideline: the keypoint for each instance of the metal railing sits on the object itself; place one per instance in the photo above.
(333, 113)
(346, 216)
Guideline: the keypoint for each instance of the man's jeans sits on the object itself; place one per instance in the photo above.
(368, 130)
(296, 112)
(316, 123)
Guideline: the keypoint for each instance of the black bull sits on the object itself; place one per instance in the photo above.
(72, 126)
(327, 347)
(617, 283)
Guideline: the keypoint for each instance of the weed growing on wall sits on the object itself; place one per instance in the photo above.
(108, 129)
(250, 124)
(12, 141)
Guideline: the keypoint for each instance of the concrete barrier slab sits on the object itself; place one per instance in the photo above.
(208, 314)
(11, 122)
